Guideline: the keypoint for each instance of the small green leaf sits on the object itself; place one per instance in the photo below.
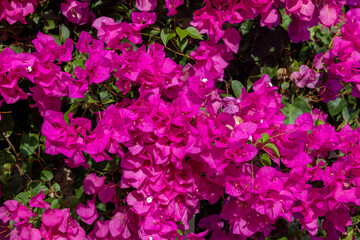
(294, 67)
(23, 197)
(36, 18)
(194, 33)
(7, 157)
(56, 187)
(101, 207)
(285, 85)
(179, 232)
(55, 204)
(16, 48)
(336, 106)
(346, 114)
(273, 148)
(79, 62)
(92, 99)
(7, 124)
(107, 101)
(181, 32)
(237, 87)
(184, 44)
(49, 24)
(166, 35)
(318, 122)
(265, 159)
(79, 192)
(36, 187)
(64, 33)
(249, 85)
(265, 137)
(349, 235)
(28, 144)
(354, 114)
(270, 71)
(46, 175)
(294, 110)
(246, 26)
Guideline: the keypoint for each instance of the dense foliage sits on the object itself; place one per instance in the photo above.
(127, 119)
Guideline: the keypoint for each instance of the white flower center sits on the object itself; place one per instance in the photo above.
(29, 68)
(204, 80)
(149, 200)
(150, 238)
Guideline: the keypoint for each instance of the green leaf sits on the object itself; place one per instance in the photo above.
(179, 232)
(265, 159)
(349, 235)
(336, 106)
(265, 137)
(273, 148)
(28, 144)
(294, 110)
(23, 197)
(246, 26)
(46, 175)
(346, 114)
(36, 187)
(107, 101)
(5, 173)
(184, 44)
(249, 85)
(79, 62)
(79, 192)
(354, 114)
(294, 67)
(194, 33)
(270, 71)
(49, 24)
(285, 85)
(64, 33)
(92, 99)
(56, 187)
(7, 124)
(181, 32)
(56, 39)
(55, 204)
(7, 157)
(36, 18)
(318, 122)
(237, 87)
(166, 35)
(101, 207)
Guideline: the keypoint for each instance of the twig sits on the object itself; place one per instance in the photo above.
(14, 151)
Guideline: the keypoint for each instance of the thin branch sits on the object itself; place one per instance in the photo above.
(14, 151)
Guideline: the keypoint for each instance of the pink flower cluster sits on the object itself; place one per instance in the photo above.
(150, 5)
(342, 61)
(304, 14)
(16, 10)
(175, 160)
(55, 223)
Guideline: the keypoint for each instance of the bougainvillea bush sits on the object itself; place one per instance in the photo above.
(131, 119)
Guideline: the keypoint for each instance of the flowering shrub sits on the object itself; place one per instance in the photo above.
(127, 120)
